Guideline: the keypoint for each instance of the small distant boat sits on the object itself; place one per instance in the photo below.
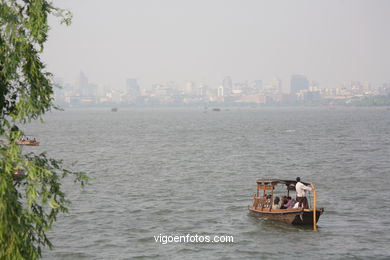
(25, 140)
(262, 205)
(114, 109)
(216, 109)
(30, 143)
(19, 174)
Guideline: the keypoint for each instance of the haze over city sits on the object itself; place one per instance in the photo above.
(196, 129)
(157, 42)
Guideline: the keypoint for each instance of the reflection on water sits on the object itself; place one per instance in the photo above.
(184, 171)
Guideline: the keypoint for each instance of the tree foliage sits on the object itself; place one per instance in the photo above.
(28, 205)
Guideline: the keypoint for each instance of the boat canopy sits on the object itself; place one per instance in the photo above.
(273, 182)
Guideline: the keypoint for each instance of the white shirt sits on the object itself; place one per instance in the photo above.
(301, 189)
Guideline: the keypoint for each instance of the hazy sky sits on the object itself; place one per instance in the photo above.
(157, 41)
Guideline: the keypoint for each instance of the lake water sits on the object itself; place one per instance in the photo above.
(187, 171)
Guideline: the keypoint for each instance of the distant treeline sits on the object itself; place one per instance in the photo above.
(365, 101)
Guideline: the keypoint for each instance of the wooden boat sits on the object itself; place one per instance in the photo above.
(262, 206)
(28, 142)
(19, 174)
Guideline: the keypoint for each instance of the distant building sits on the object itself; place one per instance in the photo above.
(298, 83)
(227, 85)
(85, 89)
(385, 90)
(132, 88)
(189, 88)
(258, 85)
(202, 90)
(274, 87)
(278, 85)
(132, 91)
(82, 84)
(220, 91)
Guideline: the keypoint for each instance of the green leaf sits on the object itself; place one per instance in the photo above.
(53, 204)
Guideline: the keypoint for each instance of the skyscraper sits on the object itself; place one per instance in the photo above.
(132, 88)
(227, 85)
(82, 85)
(298, 83)
(85, 89)
(220, 91)
(83, 80)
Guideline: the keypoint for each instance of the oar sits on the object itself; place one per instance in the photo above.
(314, 208)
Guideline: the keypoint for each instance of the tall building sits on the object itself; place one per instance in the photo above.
(227, 85)
(85, 89)
(132, 88)
(220, 91)
(82, 85)
(258, 85)
(202, 90)
(83, 80)
(298, 83)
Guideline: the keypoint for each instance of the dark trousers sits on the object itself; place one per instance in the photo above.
(303, 202)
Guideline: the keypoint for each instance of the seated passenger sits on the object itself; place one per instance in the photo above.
(290, 204)
(294, 202)
(268, 201)
(282, 202)
(276, 203)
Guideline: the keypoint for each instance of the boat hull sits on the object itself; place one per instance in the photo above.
(28, 143)
(294, 217)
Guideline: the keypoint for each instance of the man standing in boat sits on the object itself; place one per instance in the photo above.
(301, 193)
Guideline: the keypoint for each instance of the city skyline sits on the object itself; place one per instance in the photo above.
(329, 41)
(302, 91)
(285, 84)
